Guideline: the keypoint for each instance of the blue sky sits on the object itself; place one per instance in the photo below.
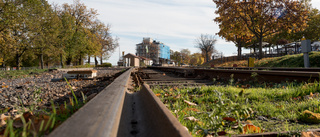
(176, 23)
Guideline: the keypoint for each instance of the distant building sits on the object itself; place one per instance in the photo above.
(158, 52)
(131, 60)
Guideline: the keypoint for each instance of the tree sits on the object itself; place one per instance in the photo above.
(236, 33)
(313, 29)
(8, 15)
(80, 42)
(46, 29)
(21, 31)
(185, 55)
(206, 44)
(263, 17)
(66, 31)
(107, 44)
(175, 55)
(196, 59)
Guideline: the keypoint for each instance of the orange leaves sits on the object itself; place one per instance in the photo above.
(158, 94)
(249, 128)
(4, 86)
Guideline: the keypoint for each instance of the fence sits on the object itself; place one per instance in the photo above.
(222, 60)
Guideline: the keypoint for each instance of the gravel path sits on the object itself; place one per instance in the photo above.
(39, 90)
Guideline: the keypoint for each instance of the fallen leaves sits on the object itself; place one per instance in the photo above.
(310, 134)
(310, 117)
(249, 128)
(189, 103)
(4, 86)
(192, 109)
(3, 119)
(191, 119)
(231, 119)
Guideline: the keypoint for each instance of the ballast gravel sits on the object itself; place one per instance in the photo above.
(39, 90)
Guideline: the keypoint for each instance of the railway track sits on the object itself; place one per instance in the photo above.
(272, 75)
(120, 111)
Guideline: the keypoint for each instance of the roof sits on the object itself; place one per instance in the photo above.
(130, 54)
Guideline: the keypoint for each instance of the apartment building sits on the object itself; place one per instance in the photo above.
(155, 50)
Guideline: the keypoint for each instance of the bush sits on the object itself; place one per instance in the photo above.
(105, 65)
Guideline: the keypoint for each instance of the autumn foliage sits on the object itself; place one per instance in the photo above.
(260, 18)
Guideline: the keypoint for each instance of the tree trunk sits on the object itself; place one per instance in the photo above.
(69, 59)
(3, 63)
(18, 61)
(89, 59)
(278, 50)
(286, 50)
(41, 58)
(101, 60)
(239, 52)
(95, 61)
(270, 50)
(207, 57)
(61, 62)
(260, 48)
(80, 59)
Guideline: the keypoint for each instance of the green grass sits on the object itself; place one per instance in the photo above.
(12, 74)
(290, 61)
(284, 103)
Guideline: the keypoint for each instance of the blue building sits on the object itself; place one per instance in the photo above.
(155, 50)
(164, 51)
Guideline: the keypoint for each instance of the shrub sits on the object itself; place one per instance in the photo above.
(105, 65)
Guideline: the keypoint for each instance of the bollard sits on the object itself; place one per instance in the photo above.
(305, 49)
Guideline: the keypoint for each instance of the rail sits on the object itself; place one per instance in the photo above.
(100, 116)
(117, 111)
(260, 75)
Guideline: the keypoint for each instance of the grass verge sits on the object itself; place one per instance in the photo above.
(12, 74)
(220, 110)
(283, 61)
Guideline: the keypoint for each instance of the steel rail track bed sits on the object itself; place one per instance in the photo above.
(117, 111)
